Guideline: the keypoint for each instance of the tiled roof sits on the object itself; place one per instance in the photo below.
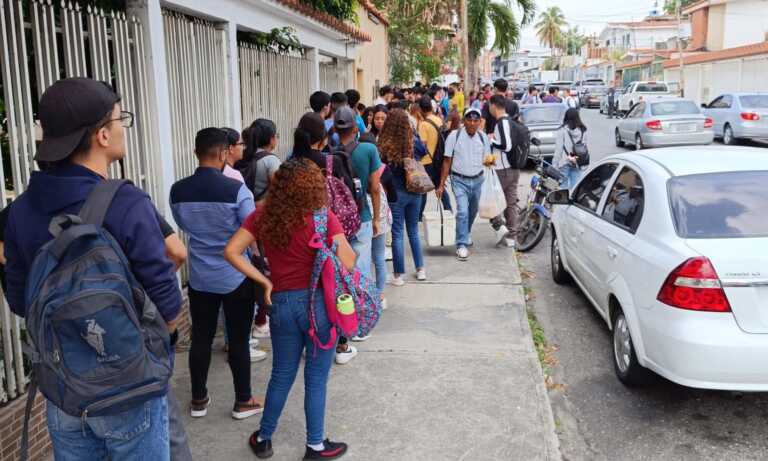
(374, 11)
(629, 65)
(326, 19)
(721, 55)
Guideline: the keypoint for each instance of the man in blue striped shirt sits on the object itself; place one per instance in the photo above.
(209, 207)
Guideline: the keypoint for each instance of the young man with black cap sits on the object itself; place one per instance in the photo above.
(210, 208)
(83, 133)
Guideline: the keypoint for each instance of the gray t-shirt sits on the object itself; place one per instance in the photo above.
(265, 168)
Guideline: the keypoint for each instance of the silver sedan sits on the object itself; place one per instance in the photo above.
(664, 122)
(739, 116)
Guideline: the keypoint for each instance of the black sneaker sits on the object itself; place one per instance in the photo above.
(263, 449)
(332, 450)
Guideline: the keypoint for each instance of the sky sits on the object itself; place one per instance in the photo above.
(590, 15)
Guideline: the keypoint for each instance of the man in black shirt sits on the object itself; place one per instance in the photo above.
(499, 87)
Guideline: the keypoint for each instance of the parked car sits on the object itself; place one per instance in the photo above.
(591, 96)
(682, 283)
(564, 85)
(543, 120)
(539, 86)
(640, 91)
(519, 88)
(604, 101)
(739, 116)
(664, 122)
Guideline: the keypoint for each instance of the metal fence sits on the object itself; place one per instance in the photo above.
(276, 87)
(197, 67)
(333, 76)
(41, 42)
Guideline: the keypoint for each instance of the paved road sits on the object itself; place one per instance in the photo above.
(597, 417)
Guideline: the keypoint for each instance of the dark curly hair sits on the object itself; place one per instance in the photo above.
(296, 190)
(396, 138)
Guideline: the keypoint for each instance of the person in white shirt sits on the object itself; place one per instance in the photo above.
(505, 225)
(572, 101)
(385, 95)
(465, 150)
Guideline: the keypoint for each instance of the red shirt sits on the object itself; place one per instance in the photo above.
(291, 266)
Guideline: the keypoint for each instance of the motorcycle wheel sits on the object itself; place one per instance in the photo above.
(531, 229)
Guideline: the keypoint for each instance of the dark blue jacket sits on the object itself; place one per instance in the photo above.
(131, 219)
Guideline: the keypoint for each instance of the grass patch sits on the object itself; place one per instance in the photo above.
(544, 351)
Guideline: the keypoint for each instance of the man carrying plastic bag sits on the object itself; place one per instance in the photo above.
(492, 201)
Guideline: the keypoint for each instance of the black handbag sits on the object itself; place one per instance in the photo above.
(580, 150)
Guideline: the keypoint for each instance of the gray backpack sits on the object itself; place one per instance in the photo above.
(97, 344)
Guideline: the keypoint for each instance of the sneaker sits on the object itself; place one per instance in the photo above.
(510, 242)
(257, 355)
(331, 450)
(343, 357)
(384, 304)
(263, 449)
(199, 408)
(462, 253)
(421, 275)
(360, 339)
(253, 342)
(261, 331)
(397, 281)
(501, 235)
(243, 410)
(470, 242)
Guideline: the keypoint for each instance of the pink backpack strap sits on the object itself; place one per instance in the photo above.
(320, 271)
(329, 164)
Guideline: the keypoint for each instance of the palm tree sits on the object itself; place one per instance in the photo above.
(501, 16)
(549, 29)
(573, 40)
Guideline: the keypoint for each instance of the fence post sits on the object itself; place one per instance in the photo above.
(234, 103)
(149, 13)
(314, 58)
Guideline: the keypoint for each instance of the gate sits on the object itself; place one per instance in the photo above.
(40, 43)
(333, 76)
(276, 87)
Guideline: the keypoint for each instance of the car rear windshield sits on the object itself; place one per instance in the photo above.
(651, 88)
(596, 89)
(543, 114)
(674, 108)
(754, 101)
(720, 205)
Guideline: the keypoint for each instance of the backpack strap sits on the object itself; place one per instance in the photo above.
(24, 446)
(97, 204)
(328, 165)
(319, 239)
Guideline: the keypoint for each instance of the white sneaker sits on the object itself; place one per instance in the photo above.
(501, 235)
(253, 342)
(257, 355)
(384, 304)
(343, 358)
(462, 253)
(397, 281)
(470, 242)
(360, 339)
(421, 275)
(261, 332)
(510, 242)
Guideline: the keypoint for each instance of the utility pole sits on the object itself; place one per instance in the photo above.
(678, 7)
(469, 73)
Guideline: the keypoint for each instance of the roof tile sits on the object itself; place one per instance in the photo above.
(326, 19)
(720, 55)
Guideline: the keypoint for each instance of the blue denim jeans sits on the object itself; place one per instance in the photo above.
(362, 246)
(379, 261)
(572, 176)
(467, 193)
(405, 214)
(140, 433)
(289, 327)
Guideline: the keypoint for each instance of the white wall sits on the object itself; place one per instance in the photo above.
(703, 82)
(746, 22)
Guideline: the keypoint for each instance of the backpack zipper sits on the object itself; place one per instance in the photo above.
(109, 401)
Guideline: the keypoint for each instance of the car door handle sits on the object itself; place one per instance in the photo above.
(612, 253)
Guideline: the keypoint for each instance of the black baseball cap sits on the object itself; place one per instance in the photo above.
(68, 108)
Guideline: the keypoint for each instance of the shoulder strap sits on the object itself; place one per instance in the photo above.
(96, 205)
(328, 165)
(260, 155)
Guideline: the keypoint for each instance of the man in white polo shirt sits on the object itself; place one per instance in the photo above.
(465, 150)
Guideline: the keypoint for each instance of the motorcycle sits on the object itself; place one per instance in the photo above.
(533, 219)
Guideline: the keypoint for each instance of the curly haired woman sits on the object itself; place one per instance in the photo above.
(284, 224)
(396, 143)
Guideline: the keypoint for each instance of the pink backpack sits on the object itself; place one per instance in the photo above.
(341, 200)
(336, 280)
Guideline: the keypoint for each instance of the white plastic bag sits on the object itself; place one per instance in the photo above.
(492, 201)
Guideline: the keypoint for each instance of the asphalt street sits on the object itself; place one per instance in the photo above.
(597, 418)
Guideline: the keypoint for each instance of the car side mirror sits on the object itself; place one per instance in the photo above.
(559, 197)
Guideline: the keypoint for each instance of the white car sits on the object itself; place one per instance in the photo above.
(642, 91)
(671, 247)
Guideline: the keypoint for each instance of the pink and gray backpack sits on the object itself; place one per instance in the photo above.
(341, 200)
(336, 281)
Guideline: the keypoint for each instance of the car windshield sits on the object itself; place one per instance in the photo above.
(539, 113)
(720, 205)
(651, 88)
(754, 101)
(674, 108)
(594, 82)
(596, 90)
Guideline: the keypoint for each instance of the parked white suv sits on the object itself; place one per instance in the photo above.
(640, 91)
(671, 248)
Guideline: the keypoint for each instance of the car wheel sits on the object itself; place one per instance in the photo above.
(639, 142)
(625, 364)
(559, 275)
(728, 138)
(619, 141)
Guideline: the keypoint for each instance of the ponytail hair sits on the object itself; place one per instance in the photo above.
(311, 130)
(258, 136)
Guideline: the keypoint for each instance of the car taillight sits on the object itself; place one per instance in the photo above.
(708, 122)
(653, 124)
(750, 116)
(694, 285)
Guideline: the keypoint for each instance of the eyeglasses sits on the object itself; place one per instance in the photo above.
(125, 119)
(240, 143)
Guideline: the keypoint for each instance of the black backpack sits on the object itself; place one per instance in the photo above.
(351, 179)
(439, 155)
(248, 168)
(520, 141)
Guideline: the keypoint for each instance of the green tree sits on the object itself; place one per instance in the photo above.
(572, 41)
(342, 9)
(549, 29)
(671, 5)
(482, 15)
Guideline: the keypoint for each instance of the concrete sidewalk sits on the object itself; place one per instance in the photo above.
(449, 374)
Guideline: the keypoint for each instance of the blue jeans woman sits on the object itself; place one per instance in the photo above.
(405, 217)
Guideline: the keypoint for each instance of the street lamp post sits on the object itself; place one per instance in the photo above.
(680, 48)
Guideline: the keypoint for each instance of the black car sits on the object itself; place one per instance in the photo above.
(592, 95)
